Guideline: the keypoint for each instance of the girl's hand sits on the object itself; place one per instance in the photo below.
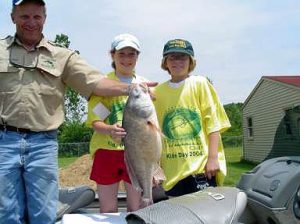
(117, 132)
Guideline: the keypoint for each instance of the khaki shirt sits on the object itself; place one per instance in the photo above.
(32, 83)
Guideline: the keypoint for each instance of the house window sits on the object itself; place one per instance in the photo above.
(250, 127)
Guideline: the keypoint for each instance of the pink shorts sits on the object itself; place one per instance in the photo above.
(109, 167)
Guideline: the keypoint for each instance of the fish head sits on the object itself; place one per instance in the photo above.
(139, 101)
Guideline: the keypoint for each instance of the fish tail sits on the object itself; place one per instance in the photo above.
(158, 174)
(146, 202)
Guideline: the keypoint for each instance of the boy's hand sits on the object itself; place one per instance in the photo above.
(158, 176)
(212, 167)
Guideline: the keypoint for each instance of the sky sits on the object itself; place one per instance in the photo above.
(236, 42)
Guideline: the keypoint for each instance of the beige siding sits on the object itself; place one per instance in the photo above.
(267, 107)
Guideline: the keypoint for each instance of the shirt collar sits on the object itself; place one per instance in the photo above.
(42, 44)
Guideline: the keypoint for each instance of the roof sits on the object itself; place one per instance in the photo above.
(291, 80)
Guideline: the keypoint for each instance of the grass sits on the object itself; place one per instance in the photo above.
(65, 161)
(235, 166)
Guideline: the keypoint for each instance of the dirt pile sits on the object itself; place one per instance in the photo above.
(78, 173)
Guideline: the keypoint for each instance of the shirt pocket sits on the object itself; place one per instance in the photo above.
(9, 76)
(49, 65)
(51, 87)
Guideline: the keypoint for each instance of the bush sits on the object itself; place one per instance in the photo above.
(232, 141)
(71, 132)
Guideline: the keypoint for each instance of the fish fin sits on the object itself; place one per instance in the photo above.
(154, 127)
(132, 176)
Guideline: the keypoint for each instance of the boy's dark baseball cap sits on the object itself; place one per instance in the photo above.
(178, 46)
(18, 2)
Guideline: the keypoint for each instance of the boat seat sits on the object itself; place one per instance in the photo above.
(219, 205)
(73, 198)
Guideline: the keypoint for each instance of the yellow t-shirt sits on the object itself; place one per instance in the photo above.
(110, 111)
(187, 114)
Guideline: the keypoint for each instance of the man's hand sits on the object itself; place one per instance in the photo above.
(147, 85)
(151, 84)
(150, 90)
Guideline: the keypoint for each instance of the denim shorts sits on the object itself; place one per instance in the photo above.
(191, 184)
(28, 177)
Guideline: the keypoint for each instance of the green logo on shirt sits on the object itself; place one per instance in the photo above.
(181, 123)
(116, 115)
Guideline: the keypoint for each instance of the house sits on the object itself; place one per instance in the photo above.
(271, 119)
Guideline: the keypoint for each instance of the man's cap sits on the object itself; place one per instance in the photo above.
(18, 2)
(125, 40)
(178, 46)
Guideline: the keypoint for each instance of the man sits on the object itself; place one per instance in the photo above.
(33, 75)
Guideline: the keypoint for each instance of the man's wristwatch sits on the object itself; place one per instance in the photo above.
(128, 89)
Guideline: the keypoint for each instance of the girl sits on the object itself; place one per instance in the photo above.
(105, 117)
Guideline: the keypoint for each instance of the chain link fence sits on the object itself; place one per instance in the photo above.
(82, 148)
(73, 149)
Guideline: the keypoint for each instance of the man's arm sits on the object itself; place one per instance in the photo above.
(108, 87)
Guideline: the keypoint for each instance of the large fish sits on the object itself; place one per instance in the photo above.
(142, 141)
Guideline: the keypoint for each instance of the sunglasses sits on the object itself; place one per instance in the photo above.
(20, 58)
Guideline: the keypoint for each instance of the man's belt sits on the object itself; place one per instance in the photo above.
(15, 129)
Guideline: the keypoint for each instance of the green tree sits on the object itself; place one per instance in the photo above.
(75, 107)
(63, 40)
(233, 136)
(210, 80)
(234, 113)
(73, 129)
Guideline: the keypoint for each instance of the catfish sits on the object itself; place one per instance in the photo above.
(142, 142)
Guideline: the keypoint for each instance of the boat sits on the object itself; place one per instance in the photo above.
(268, 194)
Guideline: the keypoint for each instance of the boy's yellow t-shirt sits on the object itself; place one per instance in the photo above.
(187, 114)
(110, 111)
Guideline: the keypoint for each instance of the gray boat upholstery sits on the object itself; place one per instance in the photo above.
(71, 199)
(273, 192)
(219, 205)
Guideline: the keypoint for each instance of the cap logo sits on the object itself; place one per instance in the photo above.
(177, 43)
